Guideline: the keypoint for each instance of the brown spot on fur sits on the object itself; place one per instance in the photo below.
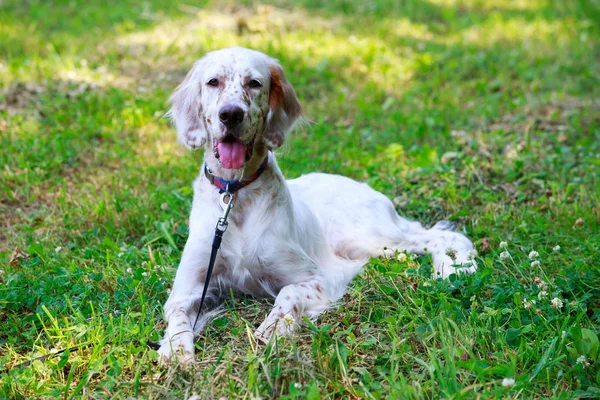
(222, 79)
(295, 308)
(246, 97)
(319, 288)
(308, 296)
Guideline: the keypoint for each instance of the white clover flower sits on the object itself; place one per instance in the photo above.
(54, 351)
(168, 291)
(288, 319)
(504, 255)
(535, 264)
(56, 250)
(556, 303)
(528, 304)
(533, 254)
(120, 255)
(556, 249)
(581, 360)
(129, 270)
(508, 382)
(144, 274)
(402, 257)
(503, 245)
(542, 295)
(144, 263)
(413, 257)
(298, 385)
(157, 267)
(426, 284)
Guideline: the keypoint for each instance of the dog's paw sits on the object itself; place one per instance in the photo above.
(178, 351)
(453, 262)
(280, 325)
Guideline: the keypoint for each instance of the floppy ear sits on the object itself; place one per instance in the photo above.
(186, 109)
(284, 107)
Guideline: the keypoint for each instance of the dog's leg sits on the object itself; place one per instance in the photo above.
(182, 306)
(292, 303)
(452, 252)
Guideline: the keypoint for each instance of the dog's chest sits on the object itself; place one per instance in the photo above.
(247, 270)
(243, 250)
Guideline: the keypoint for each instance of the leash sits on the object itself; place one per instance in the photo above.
(226, 202)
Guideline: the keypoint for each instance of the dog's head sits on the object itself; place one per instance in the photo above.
(234, 101)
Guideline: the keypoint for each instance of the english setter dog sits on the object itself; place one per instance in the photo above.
(300, 241)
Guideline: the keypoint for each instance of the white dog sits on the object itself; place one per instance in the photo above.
(300, 241)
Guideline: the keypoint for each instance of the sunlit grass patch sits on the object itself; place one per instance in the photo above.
(487, 5)
(536, 36)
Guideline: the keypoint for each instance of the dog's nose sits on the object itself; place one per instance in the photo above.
(231, 116)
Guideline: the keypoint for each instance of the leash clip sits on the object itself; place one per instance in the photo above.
(226, 206)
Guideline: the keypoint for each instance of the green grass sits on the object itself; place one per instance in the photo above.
(484, 112)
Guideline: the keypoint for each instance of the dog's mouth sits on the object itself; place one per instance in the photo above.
(231, 152)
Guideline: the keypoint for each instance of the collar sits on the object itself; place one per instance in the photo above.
(235, 185)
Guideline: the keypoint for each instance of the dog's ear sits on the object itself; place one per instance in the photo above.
(186, 109)
(284, 107)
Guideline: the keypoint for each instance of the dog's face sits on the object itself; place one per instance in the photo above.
(233, 101)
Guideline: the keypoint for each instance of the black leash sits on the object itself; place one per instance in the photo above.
(46, 357)
(220, 229)
(226, 202)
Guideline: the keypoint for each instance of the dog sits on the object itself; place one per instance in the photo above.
(300, 241)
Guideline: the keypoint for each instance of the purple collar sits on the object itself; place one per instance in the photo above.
(235, 185)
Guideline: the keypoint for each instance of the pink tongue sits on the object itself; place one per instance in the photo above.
(232, 154)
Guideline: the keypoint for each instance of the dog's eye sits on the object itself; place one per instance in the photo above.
(214, 82)
(253, 83)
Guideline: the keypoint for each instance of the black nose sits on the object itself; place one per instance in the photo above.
(231, 116)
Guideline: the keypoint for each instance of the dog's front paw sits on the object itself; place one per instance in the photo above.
(181, 350)
(279, 324)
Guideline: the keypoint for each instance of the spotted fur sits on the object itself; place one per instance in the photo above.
(299, 241)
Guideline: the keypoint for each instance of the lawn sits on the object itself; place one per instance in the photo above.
(484, 112)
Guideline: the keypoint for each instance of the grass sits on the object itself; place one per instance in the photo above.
(484, 112)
